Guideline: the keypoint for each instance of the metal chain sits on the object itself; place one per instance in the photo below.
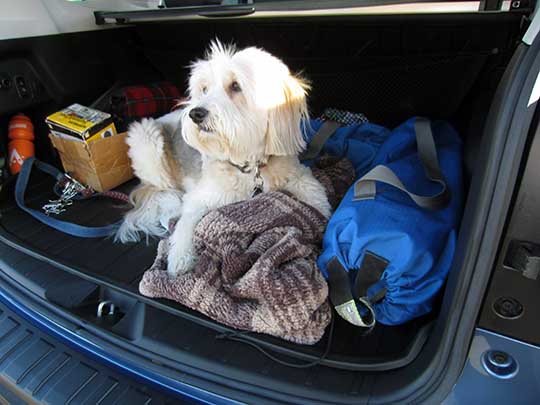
(71, 189)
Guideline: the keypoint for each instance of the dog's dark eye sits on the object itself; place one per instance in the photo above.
(205, 90)
(235, 87)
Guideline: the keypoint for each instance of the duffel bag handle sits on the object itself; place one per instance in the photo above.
(318, 141)
(365, 188)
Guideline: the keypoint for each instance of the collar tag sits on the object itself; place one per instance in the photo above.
(258, 186)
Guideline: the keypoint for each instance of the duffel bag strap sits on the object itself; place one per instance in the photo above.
(358, 308)
(365, 187)
(319, 139)
(369, 274)
(63, 226)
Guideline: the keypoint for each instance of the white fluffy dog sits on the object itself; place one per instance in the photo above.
(239, 133)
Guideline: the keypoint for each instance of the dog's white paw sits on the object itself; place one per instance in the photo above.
(180, 263)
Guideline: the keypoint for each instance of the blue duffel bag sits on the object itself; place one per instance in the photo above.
(389, 245)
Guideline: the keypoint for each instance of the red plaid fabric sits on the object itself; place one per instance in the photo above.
(135, 102)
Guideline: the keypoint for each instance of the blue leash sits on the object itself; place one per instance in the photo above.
(62, 226)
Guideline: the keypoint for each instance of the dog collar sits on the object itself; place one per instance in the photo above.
(247, 167)
(258, 181)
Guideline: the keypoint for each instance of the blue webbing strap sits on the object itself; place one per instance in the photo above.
(62, 226)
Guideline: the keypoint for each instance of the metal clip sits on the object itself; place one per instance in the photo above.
(71, 189)
(101, 306)
(76, 184)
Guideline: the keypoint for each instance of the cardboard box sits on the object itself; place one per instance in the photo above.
(102, 164)
(81, 122)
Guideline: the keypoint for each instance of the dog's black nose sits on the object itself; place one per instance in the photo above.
(198, 114)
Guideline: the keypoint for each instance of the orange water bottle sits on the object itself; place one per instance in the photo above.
(21, 134)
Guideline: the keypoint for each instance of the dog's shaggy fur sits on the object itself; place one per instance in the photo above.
(252, 112)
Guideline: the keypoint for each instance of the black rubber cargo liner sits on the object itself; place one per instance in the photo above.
(121, 267)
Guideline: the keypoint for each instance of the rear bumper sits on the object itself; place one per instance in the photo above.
(42, 360)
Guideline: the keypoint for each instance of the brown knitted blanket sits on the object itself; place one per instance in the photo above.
(256, 267)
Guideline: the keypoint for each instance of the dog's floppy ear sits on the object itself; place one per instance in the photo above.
(284, 136)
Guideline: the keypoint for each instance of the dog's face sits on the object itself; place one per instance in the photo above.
(244, 105)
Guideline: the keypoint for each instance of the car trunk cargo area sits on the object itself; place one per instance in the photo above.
(388, 68)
